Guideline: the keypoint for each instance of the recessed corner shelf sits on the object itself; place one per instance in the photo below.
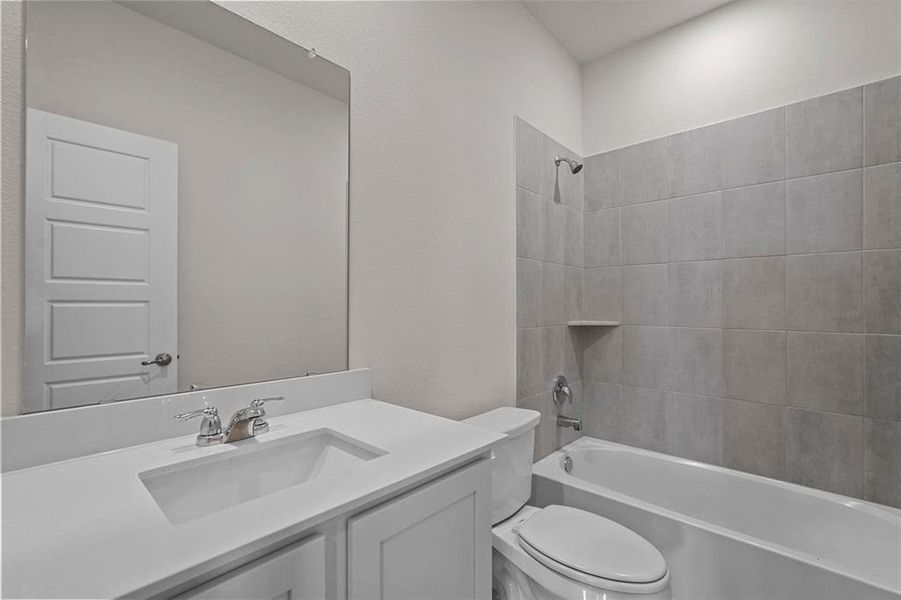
(592, 323)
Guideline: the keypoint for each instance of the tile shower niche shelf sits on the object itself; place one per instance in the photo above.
(592, 323)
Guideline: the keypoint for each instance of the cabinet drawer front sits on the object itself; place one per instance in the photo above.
(293, 573)
(431, 543)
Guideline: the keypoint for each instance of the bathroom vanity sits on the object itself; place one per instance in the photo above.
(361, 499)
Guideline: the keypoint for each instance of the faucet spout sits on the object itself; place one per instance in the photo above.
(243, 427)
(572, 423)
(249, 422)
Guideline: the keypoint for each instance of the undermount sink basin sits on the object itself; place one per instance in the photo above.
(251, 469)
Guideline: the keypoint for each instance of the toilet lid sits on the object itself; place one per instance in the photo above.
(591, 544)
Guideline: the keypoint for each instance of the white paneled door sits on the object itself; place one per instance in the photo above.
(100, 263)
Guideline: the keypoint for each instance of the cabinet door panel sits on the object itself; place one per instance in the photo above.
(433, 543)
(294, 573)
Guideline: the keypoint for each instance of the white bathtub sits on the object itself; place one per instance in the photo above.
(731, 535)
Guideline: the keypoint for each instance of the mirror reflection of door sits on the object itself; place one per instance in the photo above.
(243, 277)
(101, 222)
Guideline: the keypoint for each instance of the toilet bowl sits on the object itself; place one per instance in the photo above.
(558, 552)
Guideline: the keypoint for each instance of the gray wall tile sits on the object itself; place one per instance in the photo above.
(693, 427)
(695, 160)
(561, 356)
(754, 293)
(646, 356)
(545, 433)
(754, 220)
(882, 111)
(752, 438)
(825, 134)
(602, 354)
(530, 214)
(824, 213)
(602, 294)
(572, 294)
(883, 447)
(555, 229)
(882, 206)
(601, 238)
(603, 181)
(644, 233)
(754, 149)
(627, 415)
(754, 365)
(694, 227)
(882, 377)
(645, 294)
(696, 361)
(572, 242)
(529, 361)
(600, 418)
(642, 418)
(696, 294)
(644, 172)
(553, 307)
(824, 451)
(825, 371)
(529, 292)
(823, 292)
(882, 289)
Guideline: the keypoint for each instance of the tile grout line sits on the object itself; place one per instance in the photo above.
(785, 436)
(750, 401)
(863, 286)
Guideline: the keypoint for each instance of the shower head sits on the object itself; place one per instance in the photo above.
(574, 166)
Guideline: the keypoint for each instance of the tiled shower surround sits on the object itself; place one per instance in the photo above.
(755, 266)
(548, 280)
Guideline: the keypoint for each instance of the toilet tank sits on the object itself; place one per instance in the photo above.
(511, 464)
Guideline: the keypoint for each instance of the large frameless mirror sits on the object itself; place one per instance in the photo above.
(186, 203)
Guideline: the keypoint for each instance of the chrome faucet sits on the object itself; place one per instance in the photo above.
(245, 423)
(250, 421)
(574, 423)
(210, 426)
(562, 393)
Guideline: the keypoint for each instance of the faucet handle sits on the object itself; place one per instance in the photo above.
(210, 426)
(258, 402)
(260, 424)
(560, 390)
(207, 410)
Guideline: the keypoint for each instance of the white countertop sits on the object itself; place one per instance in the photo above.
(88, 528)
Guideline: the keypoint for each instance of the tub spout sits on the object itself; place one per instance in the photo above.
(574, 424)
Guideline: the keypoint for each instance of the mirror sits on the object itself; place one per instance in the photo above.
(185, 205)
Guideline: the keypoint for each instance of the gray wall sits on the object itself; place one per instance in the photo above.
(548, 281)
(755, 266)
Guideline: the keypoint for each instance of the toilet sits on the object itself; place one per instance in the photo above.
(558, 552)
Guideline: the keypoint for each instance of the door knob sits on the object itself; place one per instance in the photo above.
(162, 359)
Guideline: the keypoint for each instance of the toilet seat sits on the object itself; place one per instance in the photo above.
(591, 549)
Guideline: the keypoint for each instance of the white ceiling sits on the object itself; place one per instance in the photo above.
(591, 28)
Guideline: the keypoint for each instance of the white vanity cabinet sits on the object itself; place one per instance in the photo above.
(293, 573)
(433, 542)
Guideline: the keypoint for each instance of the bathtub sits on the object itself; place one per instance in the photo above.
(727, 534)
